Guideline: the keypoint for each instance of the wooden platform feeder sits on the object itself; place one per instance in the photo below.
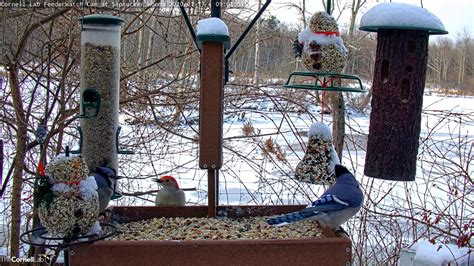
(331, 250)
(398, 84)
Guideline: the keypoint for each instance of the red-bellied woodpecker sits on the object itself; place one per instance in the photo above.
(170, 194)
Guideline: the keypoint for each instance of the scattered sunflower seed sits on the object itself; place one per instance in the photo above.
(181, 228)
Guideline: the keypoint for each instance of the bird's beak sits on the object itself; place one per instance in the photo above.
(157, 180)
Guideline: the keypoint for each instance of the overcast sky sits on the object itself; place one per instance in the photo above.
(455, 14)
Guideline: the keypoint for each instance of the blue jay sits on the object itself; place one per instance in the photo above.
(106, 179)
(337, 205)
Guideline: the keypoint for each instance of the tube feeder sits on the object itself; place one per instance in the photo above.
(399, 80)
(100, 76)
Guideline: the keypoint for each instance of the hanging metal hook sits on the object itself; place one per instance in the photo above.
(328, 7)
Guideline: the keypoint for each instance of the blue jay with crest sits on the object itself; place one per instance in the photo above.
(337, 205)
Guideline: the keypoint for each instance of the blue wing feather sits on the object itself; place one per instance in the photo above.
(327, 203)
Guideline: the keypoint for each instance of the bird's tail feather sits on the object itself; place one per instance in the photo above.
(291, 217)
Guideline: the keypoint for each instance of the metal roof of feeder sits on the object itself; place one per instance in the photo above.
(401, 17)
(101, 19)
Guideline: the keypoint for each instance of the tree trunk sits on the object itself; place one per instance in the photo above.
(365, 100)
(140, 46)
(395, 120)
(303, 13)
(19, 161)
(257, 48)
(462, 65)
(1, 162)
(338, 111)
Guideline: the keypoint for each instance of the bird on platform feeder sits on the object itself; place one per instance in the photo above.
(321, 46)
(337, 205)
(170, 194)
(106, 179)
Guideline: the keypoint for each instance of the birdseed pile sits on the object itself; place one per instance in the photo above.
(214, 229)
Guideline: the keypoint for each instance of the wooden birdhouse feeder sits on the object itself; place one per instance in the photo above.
(399, 80)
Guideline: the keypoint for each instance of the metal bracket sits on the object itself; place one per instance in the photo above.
(242, 36)
(188, 23)
(117, 133)
(216, 13)
(325, 82)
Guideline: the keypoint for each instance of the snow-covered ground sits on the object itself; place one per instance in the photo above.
(287, 129)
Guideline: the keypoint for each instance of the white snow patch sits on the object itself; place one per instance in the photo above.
(61, 188)
(400, 15)
(306, 36)
(440, 254)
(212, 26)
(88, 187)
(324, 132)
(320, 129)
(95, 229)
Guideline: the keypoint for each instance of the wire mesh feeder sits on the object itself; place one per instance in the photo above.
(59, 244)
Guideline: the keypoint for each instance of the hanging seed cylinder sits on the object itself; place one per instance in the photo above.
(100, 76)
(397, 89)
(397, 98)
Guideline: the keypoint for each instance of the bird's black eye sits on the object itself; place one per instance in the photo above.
(167, 180)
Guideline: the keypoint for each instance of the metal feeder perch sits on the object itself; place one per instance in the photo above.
(324, 82)
(398, 84)
(64, 244)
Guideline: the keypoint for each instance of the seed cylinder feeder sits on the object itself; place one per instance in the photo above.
(100, 76)
(397, 90)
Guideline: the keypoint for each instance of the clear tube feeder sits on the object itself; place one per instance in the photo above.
(100, 77)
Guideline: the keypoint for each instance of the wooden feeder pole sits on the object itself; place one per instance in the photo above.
(210, 113)
(211, 110)
(214, 74)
